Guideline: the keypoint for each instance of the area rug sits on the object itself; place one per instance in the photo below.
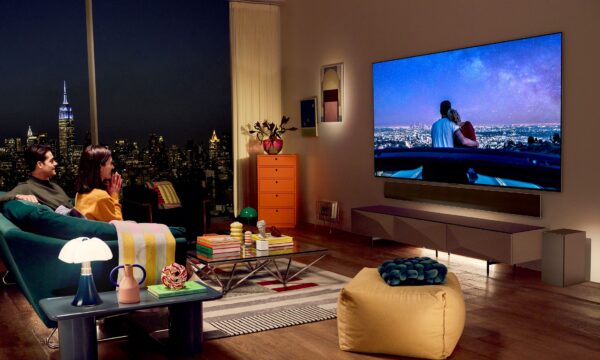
(263, 303)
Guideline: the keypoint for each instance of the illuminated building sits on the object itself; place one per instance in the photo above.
(66, 130)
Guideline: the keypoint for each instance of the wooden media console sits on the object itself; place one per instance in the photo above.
(493, 241)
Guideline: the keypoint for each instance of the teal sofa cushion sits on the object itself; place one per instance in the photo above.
(40, 219)
(412, 271)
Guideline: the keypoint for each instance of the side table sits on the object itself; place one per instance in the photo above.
(77, 325)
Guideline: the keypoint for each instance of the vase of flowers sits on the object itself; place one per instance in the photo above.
(269, 134)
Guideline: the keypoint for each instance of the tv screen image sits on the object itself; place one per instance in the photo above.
(484, 115)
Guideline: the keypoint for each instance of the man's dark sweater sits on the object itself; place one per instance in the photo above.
(47, 193)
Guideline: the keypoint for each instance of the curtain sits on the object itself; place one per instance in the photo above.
(256, 87)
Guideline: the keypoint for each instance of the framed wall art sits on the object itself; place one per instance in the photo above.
(332, 92)
(308, 116)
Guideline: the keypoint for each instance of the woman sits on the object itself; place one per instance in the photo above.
(466, 128)
(97, 187)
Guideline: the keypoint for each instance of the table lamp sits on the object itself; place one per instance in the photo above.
(248, 215)
(84, 250)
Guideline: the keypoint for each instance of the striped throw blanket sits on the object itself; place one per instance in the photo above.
(149, 245)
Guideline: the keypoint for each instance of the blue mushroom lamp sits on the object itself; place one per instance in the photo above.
(83, 251)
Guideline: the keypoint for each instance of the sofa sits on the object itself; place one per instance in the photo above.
(31, 237)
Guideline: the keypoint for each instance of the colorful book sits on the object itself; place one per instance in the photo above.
(221, 245)
(274, 240)
(210, 251)
(190, 287)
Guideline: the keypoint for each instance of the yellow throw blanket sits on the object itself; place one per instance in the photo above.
(149, 245)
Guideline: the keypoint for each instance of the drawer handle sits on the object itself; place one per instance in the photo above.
(276, 210)
(276, 169)
(276, 159)
(276, 182)
(276, 195)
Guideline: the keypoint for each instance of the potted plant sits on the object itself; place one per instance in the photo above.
(270, 134)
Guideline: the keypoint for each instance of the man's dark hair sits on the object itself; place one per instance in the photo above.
(444, 107)
(88, 176)
(35, 153)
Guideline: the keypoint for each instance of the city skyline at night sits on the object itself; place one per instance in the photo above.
(161, 67)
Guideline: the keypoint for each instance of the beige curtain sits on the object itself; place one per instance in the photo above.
(256, 87)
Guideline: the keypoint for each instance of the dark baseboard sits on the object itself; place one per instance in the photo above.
(499, 201)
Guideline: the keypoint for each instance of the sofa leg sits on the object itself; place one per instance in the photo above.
(49, 342)
(4, 279)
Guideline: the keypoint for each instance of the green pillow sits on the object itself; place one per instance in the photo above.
(40, 219)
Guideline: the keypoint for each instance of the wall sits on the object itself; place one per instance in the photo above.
(338, 164)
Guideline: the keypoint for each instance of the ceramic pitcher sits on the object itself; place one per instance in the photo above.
(129, 288)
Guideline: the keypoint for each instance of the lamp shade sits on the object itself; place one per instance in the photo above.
(83, 249)
(248, 212)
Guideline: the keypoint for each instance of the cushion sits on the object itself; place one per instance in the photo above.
(167, 197)
(40, 219)
(412, 271)
(416, 321)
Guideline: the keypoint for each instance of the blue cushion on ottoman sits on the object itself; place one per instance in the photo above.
(412, 271)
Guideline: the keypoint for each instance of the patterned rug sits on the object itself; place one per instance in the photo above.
(263, 303)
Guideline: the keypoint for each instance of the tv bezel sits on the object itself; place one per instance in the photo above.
(484, 186)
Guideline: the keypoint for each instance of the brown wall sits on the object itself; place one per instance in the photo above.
(338, 164)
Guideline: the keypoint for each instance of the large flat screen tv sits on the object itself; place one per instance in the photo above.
(484, 115)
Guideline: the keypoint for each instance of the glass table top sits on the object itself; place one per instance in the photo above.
(251, 254)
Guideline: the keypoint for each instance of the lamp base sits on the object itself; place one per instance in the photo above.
(87, 295)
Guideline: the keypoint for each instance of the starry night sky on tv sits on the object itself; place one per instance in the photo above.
(161, 67)
(513, 82)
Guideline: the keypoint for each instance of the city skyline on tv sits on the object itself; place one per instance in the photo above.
(510, 83)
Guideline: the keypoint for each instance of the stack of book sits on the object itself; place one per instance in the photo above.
(275, 243)
(190, 287)
(216, 245)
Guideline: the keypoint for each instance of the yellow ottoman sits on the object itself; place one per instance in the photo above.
(419, 321)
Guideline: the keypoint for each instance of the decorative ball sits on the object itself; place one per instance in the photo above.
(174, 276)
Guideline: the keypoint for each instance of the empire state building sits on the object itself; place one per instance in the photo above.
(66, 130)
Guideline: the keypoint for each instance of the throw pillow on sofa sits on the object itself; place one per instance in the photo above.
(40, 219)
(412, 271)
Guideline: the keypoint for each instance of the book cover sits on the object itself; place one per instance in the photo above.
(273, 239)
(210, 251)
(191, 287)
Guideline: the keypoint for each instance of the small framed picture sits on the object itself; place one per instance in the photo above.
(327, 210)
(308, 116)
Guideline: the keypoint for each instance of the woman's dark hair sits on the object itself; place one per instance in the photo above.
(88, 175)
(35, 153)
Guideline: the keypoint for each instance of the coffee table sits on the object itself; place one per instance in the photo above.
(77, 324)
(255, 261)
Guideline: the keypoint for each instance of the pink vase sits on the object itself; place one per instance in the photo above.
(272, 147)
(129, 287)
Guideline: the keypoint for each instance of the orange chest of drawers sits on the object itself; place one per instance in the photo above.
(277, 189)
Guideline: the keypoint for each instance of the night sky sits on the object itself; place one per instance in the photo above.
(161, 66)
(515, 82)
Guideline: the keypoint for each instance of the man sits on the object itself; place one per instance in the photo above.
(38, 188)
(444, 131)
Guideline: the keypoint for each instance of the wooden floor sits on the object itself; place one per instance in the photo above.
(509, 315)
